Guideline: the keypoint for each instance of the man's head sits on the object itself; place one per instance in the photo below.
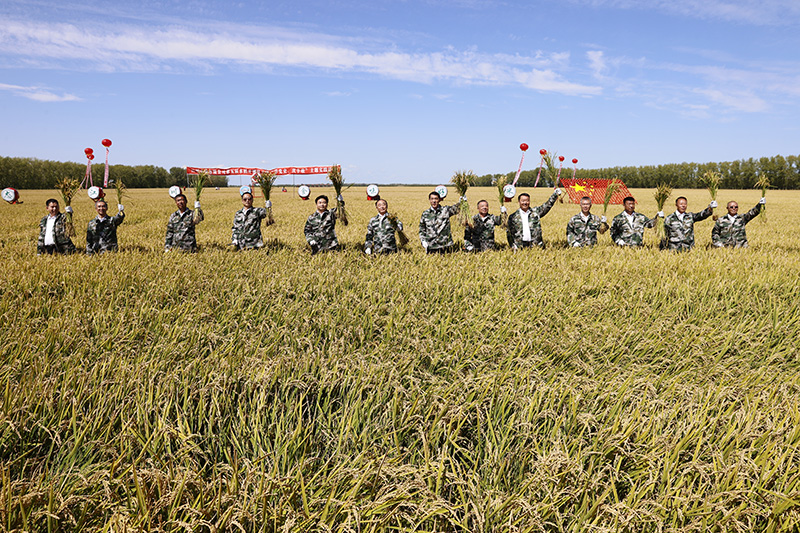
(681, 204)
(434, 199)
(382, 206)
(733, 208)
(586, 205)
(322, 203)
(180, 201)
(629, 203)
(524, 200)
(101, 207)
(52, 207)
(483, 208)
(247, 200)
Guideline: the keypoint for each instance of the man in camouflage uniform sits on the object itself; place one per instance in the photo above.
(180, 227)
(53, 238)
(381, 229)
(679, 226)
(246, 234)
(101, 233)
(582, 228)
(480, 237)
(434, 225)
(729, 230)
(320, 229)
(524, 224)
(627, 228)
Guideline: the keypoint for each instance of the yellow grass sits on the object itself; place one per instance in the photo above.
(558, 390)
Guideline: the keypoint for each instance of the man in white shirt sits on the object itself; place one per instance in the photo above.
(53, 235)
(524, 226)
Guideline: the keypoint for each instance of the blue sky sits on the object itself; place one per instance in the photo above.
(407, 91)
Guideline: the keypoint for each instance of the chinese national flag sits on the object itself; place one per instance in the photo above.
(594, 188)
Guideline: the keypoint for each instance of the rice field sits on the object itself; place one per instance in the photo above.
(546, 390)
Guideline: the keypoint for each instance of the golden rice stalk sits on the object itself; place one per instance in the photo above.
(402, 238)
(121, 189)
(502, 181)
(551, 170)
(265, 181)
(335, 177)
(199, 182)
(663, 192)
(611, 189)
(461, 180)
(712, 180)
(68, 187)
(763, 183)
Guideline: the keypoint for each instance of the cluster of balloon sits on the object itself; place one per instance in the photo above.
(304, 192)
(574, 170)
(373, 193)
(11, 195)
(89, 153)
(87, 179)
(511, 189)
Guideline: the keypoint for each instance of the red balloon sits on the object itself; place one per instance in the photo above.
(88, 151)
(575, 160)
(89, 156)
(561, 158)
(523, 147)
(543, 151)
(106, 142)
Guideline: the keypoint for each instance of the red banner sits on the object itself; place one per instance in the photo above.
(593, 188)
(249, 171)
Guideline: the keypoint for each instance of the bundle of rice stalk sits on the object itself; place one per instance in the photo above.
(763, 183)
(611, 189)
(461, 180)
(402, 238)
(265, 181)
(712, 180)
(551, 170)
(68, 187)
(502, 181)
(199, 182)
(121, 189)
(335, 176)
(663, 191)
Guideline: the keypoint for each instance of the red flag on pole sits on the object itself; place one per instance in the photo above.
(593, 188)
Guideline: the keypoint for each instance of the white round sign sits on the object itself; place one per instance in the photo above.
(174, 191)
(304, 191)
(373, 190)
(509, 191)
(442, 190)
(10, 195)
(95, 193)
(243, 189)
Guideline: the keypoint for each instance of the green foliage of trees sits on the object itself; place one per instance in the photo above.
(30, 173)
(783, 173)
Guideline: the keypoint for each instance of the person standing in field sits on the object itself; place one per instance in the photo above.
(729, 230)
(524, 224)
(246, 233)
(434, 225)
(53, 238)
(679, 226)
(180, 227)
(480, 237)
(320, 229)
(582, 229)
(627, 228)
(381, 230)
(101, 233)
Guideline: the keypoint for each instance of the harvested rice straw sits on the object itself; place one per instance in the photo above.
(68, 187)
(663, 191)
(335, 176)
(462, 179)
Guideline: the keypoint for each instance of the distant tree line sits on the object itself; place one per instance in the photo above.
(783, 173)
(30, 173)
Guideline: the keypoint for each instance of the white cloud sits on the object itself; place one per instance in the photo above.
(134, 49)
(754, 12)
(39, 94)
